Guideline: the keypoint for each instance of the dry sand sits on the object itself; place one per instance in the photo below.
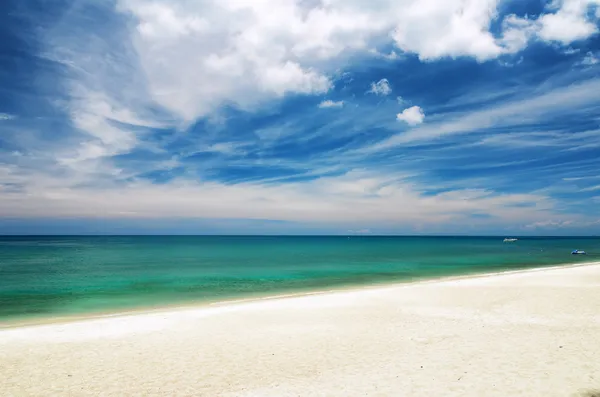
(534, 333)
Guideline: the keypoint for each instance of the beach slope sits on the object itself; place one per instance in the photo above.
(532, 333)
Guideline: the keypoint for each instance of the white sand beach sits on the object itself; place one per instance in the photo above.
(532, 333)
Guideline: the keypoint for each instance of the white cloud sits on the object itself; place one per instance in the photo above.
(382, 87)
(291, 77)
(196, 56)
(591, 188)
(6, 116)
(352, 199)
(200, 55)
(412, 116)
(96, 117)
(192, 58)
(160, 20)
(559, 224)
(434, 29)
(565, 22)
(109, 105)
(331, 104)
(517, 32)
(561, 99)
(569, 23)
(240, 53)
(589, 60)
(424, 28)
(550, 224)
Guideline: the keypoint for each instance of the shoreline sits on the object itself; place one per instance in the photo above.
(517, 333)
(200, 305)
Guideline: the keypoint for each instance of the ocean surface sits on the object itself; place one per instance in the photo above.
(46, 277)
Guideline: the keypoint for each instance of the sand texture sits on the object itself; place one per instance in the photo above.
(533, 333)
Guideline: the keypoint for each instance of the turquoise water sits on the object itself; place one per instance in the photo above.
(44, 277)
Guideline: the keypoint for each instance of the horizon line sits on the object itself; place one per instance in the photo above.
(299, 235)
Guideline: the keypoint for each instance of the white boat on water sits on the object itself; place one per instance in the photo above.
(578, 252)
(510, 240)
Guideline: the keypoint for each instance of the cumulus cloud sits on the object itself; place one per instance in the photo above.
(423, 28)
(412, 116)
(568, 23)
(159, 20)
(199, 55)
(188, 59)
(565, 22)
(382, 87)
(331, 104)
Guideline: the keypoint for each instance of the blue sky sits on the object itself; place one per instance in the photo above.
(300, 117)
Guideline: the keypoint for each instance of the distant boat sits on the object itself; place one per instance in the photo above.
(510, 240)
(578, 252)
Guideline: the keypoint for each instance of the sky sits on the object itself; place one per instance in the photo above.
(300, 117)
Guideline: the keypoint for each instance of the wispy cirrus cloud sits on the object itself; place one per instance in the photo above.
(335, 199)
(218, 110)
(571, 98)
(6, 116)
(331, 104)
(561, 225)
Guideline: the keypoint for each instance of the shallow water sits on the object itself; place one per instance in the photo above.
(56, 276)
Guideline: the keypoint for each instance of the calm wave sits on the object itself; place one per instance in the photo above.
(55, 276)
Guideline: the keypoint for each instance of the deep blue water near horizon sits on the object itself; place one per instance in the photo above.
(49, 276)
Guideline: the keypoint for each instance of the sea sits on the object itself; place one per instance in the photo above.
(43, 278)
